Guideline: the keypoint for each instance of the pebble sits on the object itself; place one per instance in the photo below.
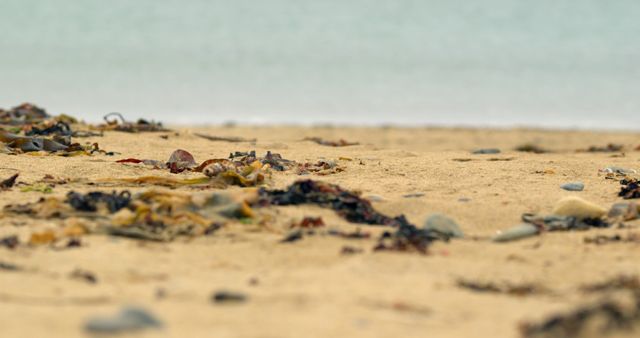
(573, 186)
(625, 210)
(618, 170)
(375, 198)
(443, 225)
(486, 151)
(519, 231)
(129, 319)
(578, 208)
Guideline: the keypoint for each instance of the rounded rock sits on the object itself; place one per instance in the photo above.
(444, 225)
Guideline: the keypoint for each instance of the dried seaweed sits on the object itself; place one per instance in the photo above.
(339, 143)
(354, 209)
(531, 148)
(10, 242)
(9, 182)
(120, 124)
(320, 168)
(525, 289)
(598, 319)
(152, 215)
(630, 188)
(609, 148)
(602, 239)
(224, 138)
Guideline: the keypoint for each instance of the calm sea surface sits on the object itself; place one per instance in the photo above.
(493, 62)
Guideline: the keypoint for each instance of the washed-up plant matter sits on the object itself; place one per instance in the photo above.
(630, 188)
(224, 138)
(152, 215)
(354, 209)
(118, 123)
(339, 143)
(9, 182)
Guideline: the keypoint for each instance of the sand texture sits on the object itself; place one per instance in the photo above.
(308, 288)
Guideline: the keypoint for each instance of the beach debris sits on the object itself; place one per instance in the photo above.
(17, 144)
(129, 319)
(443, 225)
(609, 148)
(619, 171)
(228, 297)
(37, 187)
(293, 236)
(414, 195)
(4, 266)
(512, 289)
(407, 237)
(310, 222)
(623, 211)
(10, 242)
(519, 231)
(630, 188)
(486, 151)
(120, 124)
(579, 208)
(620, 282)
(84, 275)
(154, 215)
(531, 148)
(354, 209)
(320, 168)
(180, 160)
(224, 138)
(357, 234)
(573, 186)
(350, 250)
(616, 313)
(23, 114)
(564, 223)
(603, 239)
(339, 143)
(9, 182)
(347, 204)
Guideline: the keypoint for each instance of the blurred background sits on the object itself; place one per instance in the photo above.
(565, 64)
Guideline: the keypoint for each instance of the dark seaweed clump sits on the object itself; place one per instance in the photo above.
(630, 188)
(91, 200)
(354, 209)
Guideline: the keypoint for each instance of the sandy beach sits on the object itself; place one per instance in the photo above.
(310, 287)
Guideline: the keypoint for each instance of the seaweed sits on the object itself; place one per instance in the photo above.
(591, 320)
(603, 239)
(339, 143)
(609, 148)
(11, 242)
(525, 289)
(9, 182)
(228, 297)
(224, 138)
(347, 204)
(92, 200)
(119, 123)
(531, 148)
(630, 188)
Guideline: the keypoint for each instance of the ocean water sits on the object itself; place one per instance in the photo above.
(555, 63)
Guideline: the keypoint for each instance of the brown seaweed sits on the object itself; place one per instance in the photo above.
(524, 289)
(9, 182)
(630, 188)
(224, 138)
(339, 143)
(120, 124)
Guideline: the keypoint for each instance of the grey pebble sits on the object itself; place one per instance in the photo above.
(443, 225)
(519, 231)
(486, 151)
(573, 186)
(128, 319)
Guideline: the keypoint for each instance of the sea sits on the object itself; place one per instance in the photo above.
(488, 63)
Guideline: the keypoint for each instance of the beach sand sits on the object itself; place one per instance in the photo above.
(308, 288)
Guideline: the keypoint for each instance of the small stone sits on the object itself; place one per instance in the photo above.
(375, 198)
(625, 211)
(443, 225)
(578, 208)
(129, 319)
(519, 231)
(573, 186)
(486, 151)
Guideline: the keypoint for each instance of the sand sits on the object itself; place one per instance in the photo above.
(308, 288)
